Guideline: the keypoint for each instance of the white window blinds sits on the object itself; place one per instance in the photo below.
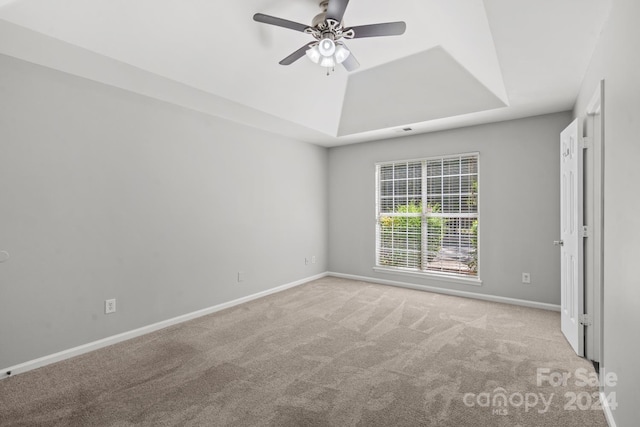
(427, 215)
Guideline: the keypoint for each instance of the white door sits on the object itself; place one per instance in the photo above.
(572, 249)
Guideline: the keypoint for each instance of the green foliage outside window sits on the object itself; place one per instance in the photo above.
(402, 232)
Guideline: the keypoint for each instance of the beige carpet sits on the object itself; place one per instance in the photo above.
(332, 352)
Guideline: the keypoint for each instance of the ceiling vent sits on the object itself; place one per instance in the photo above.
(403, 130)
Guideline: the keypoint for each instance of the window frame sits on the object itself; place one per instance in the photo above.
(418, 272)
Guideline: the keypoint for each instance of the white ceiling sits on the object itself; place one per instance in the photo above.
(460, 62)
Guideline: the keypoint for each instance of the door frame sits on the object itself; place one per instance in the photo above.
(593, 130)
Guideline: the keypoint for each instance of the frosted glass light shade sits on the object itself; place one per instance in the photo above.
(342, 53)
(328, 62)
(326, 47)
(313, 54)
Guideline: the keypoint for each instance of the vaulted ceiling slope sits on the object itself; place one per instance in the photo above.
(460, 62)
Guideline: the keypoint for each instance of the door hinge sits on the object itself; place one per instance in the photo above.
(586, 142)
(585, 319)
(584, 232)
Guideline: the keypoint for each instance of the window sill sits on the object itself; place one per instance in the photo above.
(474, 281)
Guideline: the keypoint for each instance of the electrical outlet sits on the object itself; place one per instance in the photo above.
(526, 278)
(110, 306)
(306, 261)
(240, 276)
(313, 259)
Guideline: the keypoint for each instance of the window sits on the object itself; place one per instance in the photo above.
(427, 215)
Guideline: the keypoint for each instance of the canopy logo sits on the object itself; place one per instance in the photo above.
(499, 400)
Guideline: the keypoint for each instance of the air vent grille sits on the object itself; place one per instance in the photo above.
(404, 129)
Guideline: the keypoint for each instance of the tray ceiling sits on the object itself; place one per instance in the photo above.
(460, 62)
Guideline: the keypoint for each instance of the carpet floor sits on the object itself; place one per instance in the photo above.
(332, 352)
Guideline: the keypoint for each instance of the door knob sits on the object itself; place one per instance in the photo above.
(558, 242)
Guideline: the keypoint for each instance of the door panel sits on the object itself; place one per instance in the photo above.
(572, 248)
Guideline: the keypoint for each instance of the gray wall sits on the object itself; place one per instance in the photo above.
(616, 60)
(519, 203)
(108, 194)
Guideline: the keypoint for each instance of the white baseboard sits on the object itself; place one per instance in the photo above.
(95, 345)
(474, 295)
(608, 414)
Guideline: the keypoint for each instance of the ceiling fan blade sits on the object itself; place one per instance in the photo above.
(279, 22)
(297, 54)
(351, 63)
(378, 30)
(336, 8)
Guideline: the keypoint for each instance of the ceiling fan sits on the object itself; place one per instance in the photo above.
(327, 28)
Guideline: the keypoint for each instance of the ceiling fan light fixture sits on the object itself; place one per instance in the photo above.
(333, 54)
(327, 47)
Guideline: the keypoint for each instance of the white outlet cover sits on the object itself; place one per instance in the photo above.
(110, 306)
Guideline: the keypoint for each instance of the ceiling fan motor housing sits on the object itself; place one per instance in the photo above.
(330, 29)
